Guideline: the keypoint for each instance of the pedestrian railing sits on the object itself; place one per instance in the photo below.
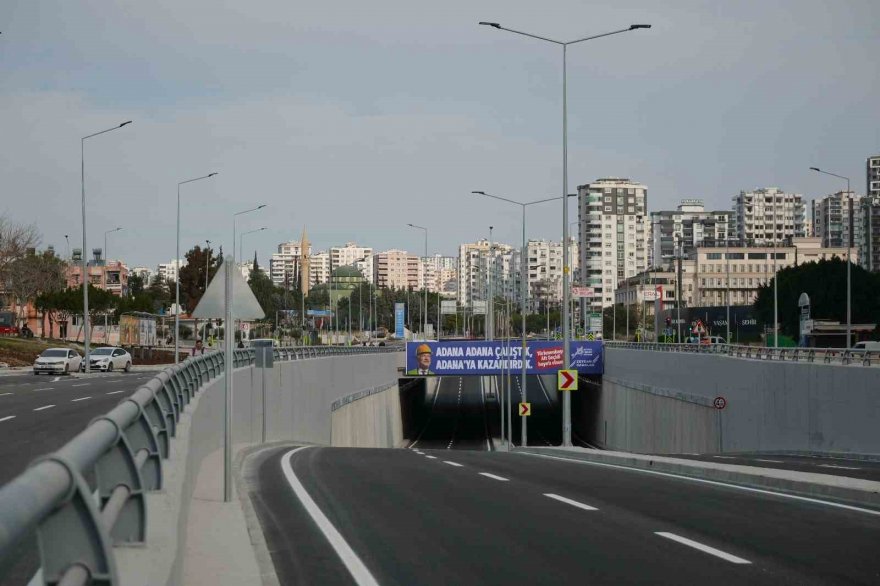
(90, 494)
(840, 356)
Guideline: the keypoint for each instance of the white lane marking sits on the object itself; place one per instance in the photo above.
(56, 379)
(82, 385)
(115, 392)
(839, 467)
(431, 416)
(44, 407)
(714, 483)
(702, 547)
(493, 477)
(770, 461)
(431, 457)
(726, 457)
(7, 418)
(4, 394)
(80, 399)
(350, 559)
(452, 463)
(45, 389)
(562, 499)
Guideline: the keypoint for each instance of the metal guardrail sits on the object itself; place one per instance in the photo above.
(78, 523)
(840, 356)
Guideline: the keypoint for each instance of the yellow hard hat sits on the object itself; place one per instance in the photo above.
(423, 349)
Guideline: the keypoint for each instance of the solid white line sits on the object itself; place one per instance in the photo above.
(839, 467)
(452, 463)
(4, 394)
(431, 416)
(492, 476)
(115, 392)
(82, 385)
(44, 407)
(80, 399)
(726, 457)
(353, 563)
(562, 499)
(431, 457)
(704, 548)
(714, 483)
(7, 418)
(770, 461)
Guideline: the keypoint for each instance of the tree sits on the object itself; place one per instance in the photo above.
(15, 242)
(268, 295)
(135, 285)
(160, 291)
(192, 275)
(825, 283)
(32, 275)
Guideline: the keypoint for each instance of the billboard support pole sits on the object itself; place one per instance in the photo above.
(227, 431)
(524, 287)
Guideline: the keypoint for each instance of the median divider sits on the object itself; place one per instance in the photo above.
(853, 491)
(91, 496)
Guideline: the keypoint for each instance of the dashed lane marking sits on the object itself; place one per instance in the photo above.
(7, 418)
(431, 457)
(82, 385)
(769, 461)
(456, 464)
(703, 547)
(45, 389)
(838, 467)
(494, 477)
(44, 407)
(569, 501)
(4, 394)
(80, 399)
(115, 392)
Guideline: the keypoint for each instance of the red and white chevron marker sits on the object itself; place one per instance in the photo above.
(567, 380)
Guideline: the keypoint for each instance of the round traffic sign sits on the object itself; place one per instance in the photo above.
(720, 402)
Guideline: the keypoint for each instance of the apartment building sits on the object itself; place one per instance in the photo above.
(285, 265)
(545, 265)
(767, 215)
(834, 216)
(869, 252)
(111, 275)
(439, 274)
(167, 271)
(614, 235)
(872, 176)
(319, 268)
(349, 255)
(145, 274)
(478, 262)
(396, 269)
(687, 226)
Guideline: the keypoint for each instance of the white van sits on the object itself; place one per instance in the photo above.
(872, 346)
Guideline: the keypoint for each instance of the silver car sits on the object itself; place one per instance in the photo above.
(108, 360)
(57, 361)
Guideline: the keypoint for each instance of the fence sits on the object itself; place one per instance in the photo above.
(90, 494)
(840, 356)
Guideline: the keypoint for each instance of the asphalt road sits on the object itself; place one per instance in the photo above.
(459, 416)
(39, 414)
(853, 468)
(467, 517)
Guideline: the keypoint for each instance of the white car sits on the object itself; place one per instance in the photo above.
(57, 361)
(108, 359)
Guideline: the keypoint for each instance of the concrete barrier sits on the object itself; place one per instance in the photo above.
(372, 419)
(661, 402)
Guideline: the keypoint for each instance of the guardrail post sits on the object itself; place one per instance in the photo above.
(119, 479)
(141, 436)
(74, 531)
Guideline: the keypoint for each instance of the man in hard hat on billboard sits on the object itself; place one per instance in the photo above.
(423, 361)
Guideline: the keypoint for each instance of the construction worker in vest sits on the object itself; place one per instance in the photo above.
(423, 360)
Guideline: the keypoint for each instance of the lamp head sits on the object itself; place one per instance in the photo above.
(633, 27)
(211, 174)
(124, 123)
(817, 169)
(261, 206)
(479, 192)
(492, 24)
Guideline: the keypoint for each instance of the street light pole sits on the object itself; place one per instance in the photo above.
(241, 241)
(524, 287)
(207, 263)
(490, 333)
(230, 325)
(106, 257)
(85, 256)
(425, 315)
(177, 264)
(566, 268)
(849, 244)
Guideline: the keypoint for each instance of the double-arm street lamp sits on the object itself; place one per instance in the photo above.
(177, 265)
(425, 284)
(524, 293)
(849, 244)
(566, 263)
(85, 256)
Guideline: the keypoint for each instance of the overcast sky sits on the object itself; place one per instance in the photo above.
(355, 118)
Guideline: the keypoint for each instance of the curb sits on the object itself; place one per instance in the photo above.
(853, 491)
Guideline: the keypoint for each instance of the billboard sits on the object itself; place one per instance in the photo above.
(479, 307)
(399, 316)
(448, 307)
(489, 358)
(578, 291)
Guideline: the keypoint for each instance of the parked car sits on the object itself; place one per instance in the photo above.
(108, 359)
(57, 361)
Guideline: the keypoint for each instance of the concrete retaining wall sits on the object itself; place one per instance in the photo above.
(372, 421)
(657, 401)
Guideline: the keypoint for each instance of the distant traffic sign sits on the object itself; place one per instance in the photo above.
(567, 380)
(720, 402)
(525, 409)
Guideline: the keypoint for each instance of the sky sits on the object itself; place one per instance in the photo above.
(353, 119)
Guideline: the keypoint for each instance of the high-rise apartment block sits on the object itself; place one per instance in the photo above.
(396, 269)
(545, 270)
(319, 268)
(439, 274)
(284, 265)
(870, 216)
(768, 215)
(834, 215)
(478, 262)
(167, 271)
(872, 176)
(614, 235)
(685, 228)
(349, 255)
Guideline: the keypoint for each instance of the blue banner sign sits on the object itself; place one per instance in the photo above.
(399, 316)
(491, 358)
